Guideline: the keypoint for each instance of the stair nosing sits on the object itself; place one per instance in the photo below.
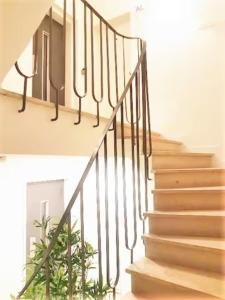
(187, 213)
(165, 140)
(188, 170)
(144, 274)
(180, 153)
(211, 189)
(175, 241)
(158, 139)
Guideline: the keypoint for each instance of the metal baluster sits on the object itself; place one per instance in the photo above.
(112, 286)
(130, 248)
(47, 268)
(83, 277)
(133, 171)
(108, 71)
(93, 68)
(26, 77)
(100, 275)
(137, 87)
(57, 88)
(50, 66)
(138, 117)
(138, 49)
(124, 71)
(106, 209)
(143, 73)
(116, 67)
(149, 117)
(148, 107)
(69, 253)
(124, 177)
(101, 57)
(85, 45)
(80, 96)
(124, 81)
(79, 112)
(108, 67)
(116, 204)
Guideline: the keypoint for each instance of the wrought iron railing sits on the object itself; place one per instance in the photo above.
(130, 105)
(112, 55)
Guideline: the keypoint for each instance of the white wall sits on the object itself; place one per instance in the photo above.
(186, 72)
(13, 81)
(15, 172)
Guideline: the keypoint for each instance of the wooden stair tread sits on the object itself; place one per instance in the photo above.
(181, 226)
(176, 153)
(205, 282)
(206, 242)
(156, 138)
(127, 128)
(192, 189)
(198, 213)
(165, 140)
(189, 170)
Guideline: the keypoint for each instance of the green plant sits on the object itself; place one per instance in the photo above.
(58, 266)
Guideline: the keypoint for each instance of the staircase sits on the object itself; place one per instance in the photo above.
(185, 243)
(184, 246)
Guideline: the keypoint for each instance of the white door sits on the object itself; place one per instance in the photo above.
(44, 199)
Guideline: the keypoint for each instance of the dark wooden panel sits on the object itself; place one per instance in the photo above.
(41, 83)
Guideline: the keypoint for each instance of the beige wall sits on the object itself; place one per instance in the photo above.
(32, 132)
(186, 72)
(186, 89)
(222, 112)
(19, 20)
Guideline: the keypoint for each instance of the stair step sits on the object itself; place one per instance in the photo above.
(179, 160)
(187, 178)
(194, 252)
(165, 281)
(202, 198)
(160, 144)
(127, 132)
(187, 223)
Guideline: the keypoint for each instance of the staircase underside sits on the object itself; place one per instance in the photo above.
(185, 243)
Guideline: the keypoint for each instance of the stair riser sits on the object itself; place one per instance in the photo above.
(187, 225)
(161, 290)
(160, 146)
(185, 255)
(189, 179)
(179, 162)
(127, 133)
(189, 201)
(166, 146)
